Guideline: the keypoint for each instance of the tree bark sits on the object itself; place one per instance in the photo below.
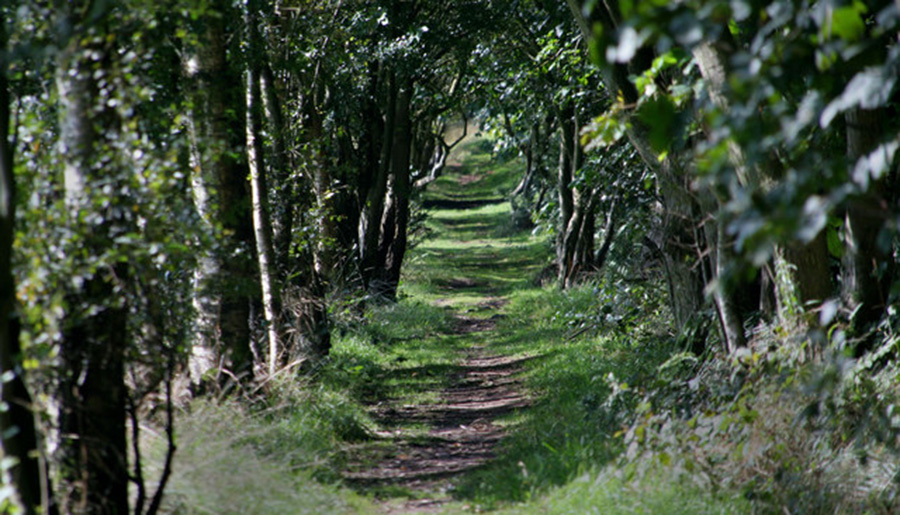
(258, 191)
(437, 156)
(677, 245)
(584, 248)
(565, 195)
(327, 238)
(373, 207)
(395, 231)
(17, 419)
(609, 233)
(810, 270)
(711, 58)
(218, 185)
(732, 319)
(806, 264)
(527, 150)
(283, 217)
(371, 139)
(92, 456)
(867, 266)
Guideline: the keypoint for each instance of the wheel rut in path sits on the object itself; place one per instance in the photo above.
(461, 435)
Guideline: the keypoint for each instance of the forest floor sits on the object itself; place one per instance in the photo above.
(427, 440)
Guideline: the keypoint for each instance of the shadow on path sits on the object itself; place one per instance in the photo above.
(460, 204)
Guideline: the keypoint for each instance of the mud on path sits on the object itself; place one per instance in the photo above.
(461, 435)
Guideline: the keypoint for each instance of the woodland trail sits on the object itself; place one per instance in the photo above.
(424, 445)
(462, 434)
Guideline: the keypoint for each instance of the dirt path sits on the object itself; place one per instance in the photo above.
(461, 434)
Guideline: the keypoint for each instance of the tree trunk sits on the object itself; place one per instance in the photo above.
(327, 238)
(584, 247)
(373, 209)
(283, 215)
(731, 318)
(396, 231)
(867, 267)
(92, 456)
(218, 185)
(810, 270)
(578, 235)
(17, 426)
(371, 140)
(575, 241)
(677, 245)
(439, 153)
(528, 150)
(258, 191)
(711, 59)
(609, 233)
(805, 266)
(566, 198)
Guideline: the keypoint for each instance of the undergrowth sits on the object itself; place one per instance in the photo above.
(792, 428)
(626, 420)
(605, 493)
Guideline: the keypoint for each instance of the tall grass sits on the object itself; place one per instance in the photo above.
(231, 462)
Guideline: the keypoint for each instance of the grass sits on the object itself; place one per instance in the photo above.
(605, 493)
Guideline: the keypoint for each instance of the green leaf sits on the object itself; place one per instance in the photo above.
(603, 131)
(664, 459)
(658, 114)
(847, 23)
(835, 245)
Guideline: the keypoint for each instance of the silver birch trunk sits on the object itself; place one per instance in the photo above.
(259, 193)
(221, 323)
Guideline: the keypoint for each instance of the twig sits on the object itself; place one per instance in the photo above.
(170, 453)
(138, 477)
